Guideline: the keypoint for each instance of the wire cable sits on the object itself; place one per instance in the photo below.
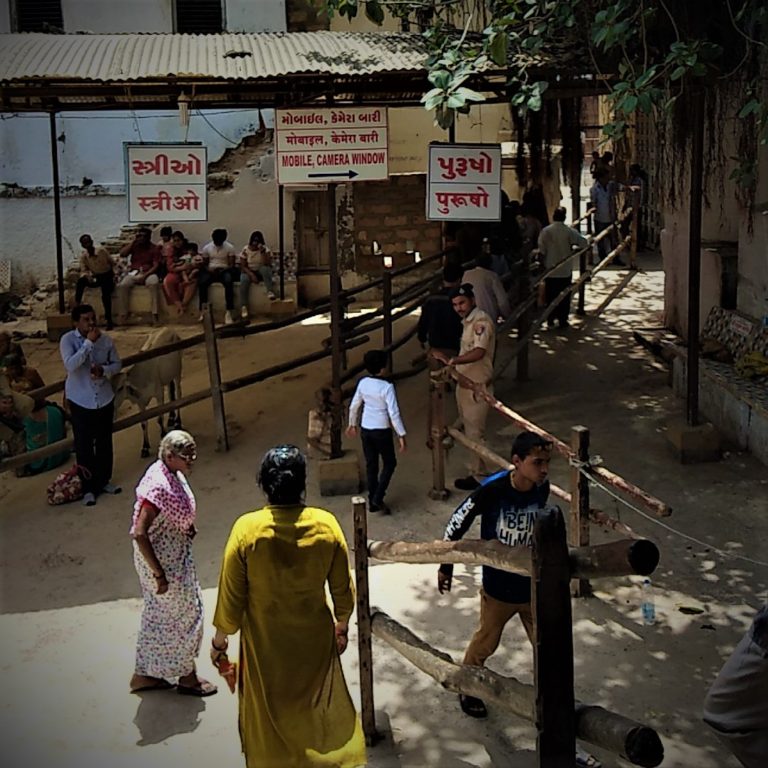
(723, 553)
(216, 130)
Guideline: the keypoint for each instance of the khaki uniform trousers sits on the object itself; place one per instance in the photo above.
(473, 413)
(494, 615)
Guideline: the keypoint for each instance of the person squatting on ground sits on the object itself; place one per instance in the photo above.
(90, 359)
(255, 267)
(736, 706)
(381, 414)
(218, 267)
(96, 269)
(144, 259)
(163, 527)
(475, 361)
(556, 244)
(294, 706)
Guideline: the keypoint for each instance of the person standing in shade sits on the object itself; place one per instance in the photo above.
(439, 326)
(144, 258)
(381, 414)
(96, 269)
(556, 243)
(218, 267)
(490, 295)
(91, 360)
(475, 361)
(602, 197)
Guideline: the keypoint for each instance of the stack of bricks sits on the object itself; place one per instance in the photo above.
(392, 213)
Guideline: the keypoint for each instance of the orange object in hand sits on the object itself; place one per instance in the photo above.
(228, 670)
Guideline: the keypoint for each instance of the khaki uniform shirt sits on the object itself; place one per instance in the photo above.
(100, 263)
(478, 331)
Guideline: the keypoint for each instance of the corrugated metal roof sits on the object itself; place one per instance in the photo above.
(142, 57)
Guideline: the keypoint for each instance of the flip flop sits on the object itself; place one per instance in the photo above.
(472, 706)
(585, 760)
(203, 688)
(158, 685)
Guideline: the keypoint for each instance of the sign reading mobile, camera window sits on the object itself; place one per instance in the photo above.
(166, 182)
(464, 182)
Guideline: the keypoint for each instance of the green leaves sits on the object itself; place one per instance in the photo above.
(374, 11)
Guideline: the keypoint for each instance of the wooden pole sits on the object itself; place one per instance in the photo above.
(57, 210)
(336, 320)
(578, 534)
(634, 229)
(580, 311)
(386, 305)
(281, 235)
(364, 649)
(524, 323)
(553, 646)
(214, 376)
(436, 434)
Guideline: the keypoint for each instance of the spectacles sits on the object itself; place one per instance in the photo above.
(190, 454)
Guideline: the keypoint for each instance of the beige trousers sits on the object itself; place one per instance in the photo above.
(473, 412)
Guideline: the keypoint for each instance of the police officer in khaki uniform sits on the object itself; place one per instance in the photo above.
(475, 361)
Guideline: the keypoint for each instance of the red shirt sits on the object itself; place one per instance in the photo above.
(144, 257)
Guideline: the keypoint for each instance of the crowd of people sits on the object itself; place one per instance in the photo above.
(176, 267)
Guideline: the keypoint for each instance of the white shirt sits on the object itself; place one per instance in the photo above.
(218, 255)
(379, 403)
(490, 295)
(556, 242)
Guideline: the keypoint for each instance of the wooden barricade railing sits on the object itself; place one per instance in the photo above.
(550, 702)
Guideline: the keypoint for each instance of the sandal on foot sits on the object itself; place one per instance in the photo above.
(472, 706)
(203, 688)
(585, 760)
(157, 685)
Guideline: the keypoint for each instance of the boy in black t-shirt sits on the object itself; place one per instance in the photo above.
(507, 503)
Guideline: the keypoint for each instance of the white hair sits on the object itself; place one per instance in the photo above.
(174, 443)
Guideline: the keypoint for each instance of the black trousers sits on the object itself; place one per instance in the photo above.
(107, 284)
(92, 429)
(227, 277)
(552, 288)
(378, 444)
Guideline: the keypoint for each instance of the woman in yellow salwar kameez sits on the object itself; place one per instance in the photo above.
(294, 706)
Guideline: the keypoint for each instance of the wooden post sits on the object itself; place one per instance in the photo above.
(336, 321)
(57, 210)
(580, 311)
(553, 646)
(524, 323)
(214, 375)
(578, 535)
(281, 236)
(634, 229)
(436, 435)
(364, 649)
(386, 305)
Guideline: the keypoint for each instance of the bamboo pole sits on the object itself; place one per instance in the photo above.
(214, 376)
(553, 643)
(386, 303)
(578, 533)
(633, 741)
(615, 291)
(436, 432)
(365, 652)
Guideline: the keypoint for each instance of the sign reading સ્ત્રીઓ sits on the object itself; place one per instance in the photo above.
(464, 182)
(331, 144)
(166, 182)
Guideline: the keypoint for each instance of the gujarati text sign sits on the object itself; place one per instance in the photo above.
(331, 144)
(464, 182)
(166, 182)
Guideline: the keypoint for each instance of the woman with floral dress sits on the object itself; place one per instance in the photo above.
(163, 528)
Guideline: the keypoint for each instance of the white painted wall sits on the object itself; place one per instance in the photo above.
(117, 15)
(255, 15)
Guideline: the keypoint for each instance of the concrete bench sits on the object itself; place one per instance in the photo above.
(258, 303)
(737, 406)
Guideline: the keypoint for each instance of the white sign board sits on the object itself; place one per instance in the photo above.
(331, 144)
(166, 182)
(464, 182)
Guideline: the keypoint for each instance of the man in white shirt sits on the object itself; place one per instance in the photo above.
(475, 361)
(218, 267)
(490, 295)
(556, 243)
(381, 414)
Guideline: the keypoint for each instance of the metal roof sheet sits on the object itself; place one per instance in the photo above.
(142, 57)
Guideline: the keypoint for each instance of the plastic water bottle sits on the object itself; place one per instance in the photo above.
(647, 604)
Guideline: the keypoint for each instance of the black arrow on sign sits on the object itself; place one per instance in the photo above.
(350, 174)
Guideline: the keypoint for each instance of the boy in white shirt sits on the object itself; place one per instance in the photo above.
(381, 414)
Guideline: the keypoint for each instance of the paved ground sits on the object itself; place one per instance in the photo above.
(69, 594)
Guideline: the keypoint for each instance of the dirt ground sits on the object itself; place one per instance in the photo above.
(69, 592)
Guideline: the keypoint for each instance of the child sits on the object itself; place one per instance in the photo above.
(381, 414)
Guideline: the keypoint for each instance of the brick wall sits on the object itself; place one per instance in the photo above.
(304, 17)
(392, 213)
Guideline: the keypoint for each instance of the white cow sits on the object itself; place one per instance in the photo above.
(147, 380)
